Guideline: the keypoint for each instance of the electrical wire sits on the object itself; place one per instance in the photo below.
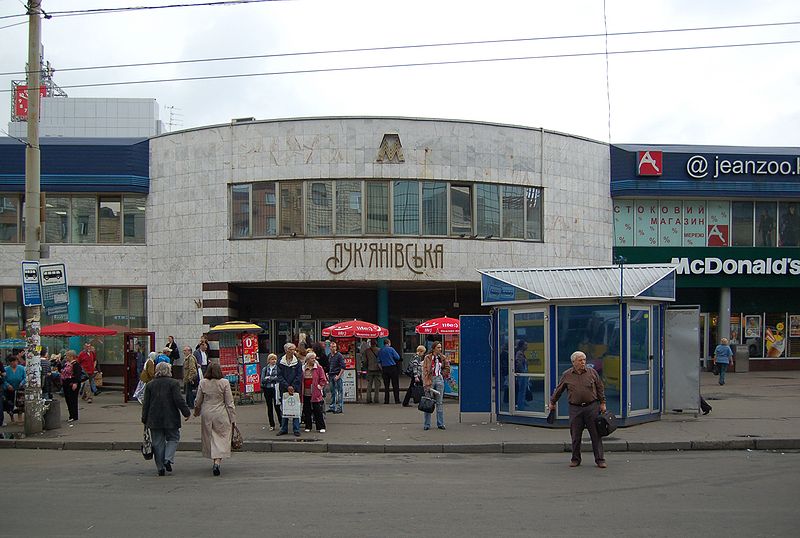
(424, 64)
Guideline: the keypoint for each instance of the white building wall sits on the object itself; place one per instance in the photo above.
(187, 232)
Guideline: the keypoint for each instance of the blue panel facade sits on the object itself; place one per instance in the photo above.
(475, 394)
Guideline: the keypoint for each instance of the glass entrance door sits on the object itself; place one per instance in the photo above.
(704, 358)
(529, 390)
(640, 361)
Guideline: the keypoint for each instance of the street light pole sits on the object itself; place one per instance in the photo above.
(33, 368)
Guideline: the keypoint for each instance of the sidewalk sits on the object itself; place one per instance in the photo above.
(758, 410)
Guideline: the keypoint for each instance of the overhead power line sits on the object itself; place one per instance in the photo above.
(416, 46)
(425, 64)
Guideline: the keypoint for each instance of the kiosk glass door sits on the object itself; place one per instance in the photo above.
(529, 391)
(640, 361)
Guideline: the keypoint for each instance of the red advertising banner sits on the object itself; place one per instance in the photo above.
(252, 379)
(250, 348)
(21, 100)
(227, 360)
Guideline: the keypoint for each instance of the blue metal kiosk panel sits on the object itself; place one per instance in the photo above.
(475, 369)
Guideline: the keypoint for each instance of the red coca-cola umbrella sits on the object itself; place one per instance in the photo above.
(355, 329)
(69, 328)
(443, 325)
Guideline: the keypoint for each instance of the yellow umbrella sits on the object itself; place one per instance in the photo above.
(236, 327)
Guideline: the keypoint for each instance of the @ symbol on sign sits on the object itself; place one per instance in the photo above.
(697, 167)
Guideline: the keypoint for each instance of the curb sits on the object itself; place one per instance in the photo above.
(448, 448)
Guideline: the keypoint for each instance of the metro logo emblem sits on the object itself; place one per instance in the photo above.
(648, 163)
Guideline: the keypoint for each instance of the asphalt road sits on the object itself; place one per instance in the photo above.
(94, 493)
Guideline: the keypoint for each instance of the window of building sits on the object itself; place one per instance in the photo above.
(513, 212)
(742, 220)
(348, 208)
(291, 214)
(377, 207)
(533, 214)
(265, 210)
(9, 219)
(789, 231)
(133, 221)
(460, 210)
(405, 207)
(320, 208)
(766, 224)
(84, 219)
(109, 219)
(10, 318)
(57, 219)
(240, 202)
(434, 208)
(487, 216)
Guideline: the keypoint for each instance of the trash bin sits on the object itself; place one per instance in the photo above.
(741, 359)
(52, 416)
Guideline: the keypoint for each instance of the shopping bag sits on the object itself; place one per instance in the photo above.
(147, 444)
(236, 438)
(426, 404)
(98, 378)
(416, 393)
(292, 407)
(139, 392)
(606, 423)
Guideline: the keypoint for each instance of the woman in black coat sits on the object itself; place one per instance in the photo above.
(161, 410)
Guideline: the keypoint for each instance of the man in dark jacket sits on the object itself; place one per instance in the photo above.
(335, 376)
(160, 413)
(290, 379)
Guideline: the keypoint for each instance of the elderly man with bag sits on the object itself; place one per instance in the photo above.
(587, 399)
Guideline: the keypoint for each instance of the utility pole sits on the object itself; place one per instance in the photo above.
(33, 368)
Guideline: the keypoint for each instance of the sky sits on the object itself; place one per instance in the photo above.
(720, 96)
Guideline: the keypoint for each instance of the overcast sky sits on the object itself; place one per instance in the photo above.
(723, 96)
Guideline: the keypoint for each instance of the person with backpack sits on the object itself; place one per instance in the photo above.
(414, 371)
(71, 373)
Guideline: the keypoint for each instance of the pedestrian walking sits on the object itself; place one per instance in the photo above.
(435, 369)
(336, 370)
(191, 377)
(161, 410)
(201, 355)
(15, 388)
(373, 368)
(415, 373)
(214, 404)
(71, 374)
(88, 360)
(723, 356)
(587, 399)
(269, 386)
(314, 381)
(290, 380)
(148, 371)
(389, 360)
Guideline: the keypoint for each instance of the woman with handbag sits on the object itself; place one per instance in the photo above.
(435, 369)
(71, 374)
(314, 382)
(414, 371)
(214, 404)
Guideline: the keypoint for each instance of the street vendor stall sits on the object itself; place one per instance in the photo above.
(345, 334)
(238, 358)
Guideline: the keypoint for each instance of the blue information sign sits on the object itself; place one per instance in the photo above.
(55, 295)
(31, 294)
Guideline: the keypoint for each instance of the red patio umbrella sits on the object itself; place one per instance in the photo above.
(443, 325)
(68, 328)
(355, 329)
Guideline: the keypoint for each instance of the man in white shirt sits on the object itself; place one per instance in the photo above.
(201, 355)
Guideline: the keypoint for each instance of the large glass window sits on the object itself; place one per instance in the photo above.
(460, 210)
(133, 221)
(265, 210)
(405, 207)
(109, 221)
(319, 208)
(487, 218)
(348, 208)
(84, 219)
(56, 227)
(789, 232)
(513, 212)
(528, 362)
(766, 219)
(377, 207)
(9, 219)
(291, 214)
(533, 214)
(434, 208)
(742, 220)
(240, 202)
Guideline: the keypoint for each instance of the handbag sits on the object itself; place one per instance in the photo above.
(606, 423)
(236, 438)
(427, 404)
(416, 393)
(147, 444)
(291, 405)
(715, 369)
(98, 378)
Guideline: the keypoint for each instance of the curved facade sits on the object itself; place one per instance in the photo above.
(388, 219)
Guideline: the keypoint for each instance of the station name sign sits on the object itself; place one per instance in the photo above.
(415, 257)
(698, 167)
(716, 266)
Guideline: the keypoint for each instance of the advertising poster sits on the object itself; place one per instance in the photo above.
(752, 326)
(670, 224)
(451, 385)
(227, 360)
(776, 340)
(694, 223)
(250, 348)
(646, 223)
(794, 326)
(252, 381)
(623, 223)
(718, 220)
(349, 385)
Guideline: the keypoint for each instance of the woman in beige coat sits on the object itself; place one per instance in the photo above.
(214, 404)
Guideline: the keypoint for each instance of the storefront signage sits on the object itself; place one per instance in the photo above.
(715, 266)
(697, 166)
(413, 257)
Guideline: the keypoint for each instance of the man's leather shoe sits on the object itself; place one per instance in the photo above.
(602, 465)
(168, 466)
(574, 463)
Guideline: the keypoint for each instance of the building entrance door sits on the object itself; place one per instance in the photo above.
(530, 389)
(640, 361)
(147, 341)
